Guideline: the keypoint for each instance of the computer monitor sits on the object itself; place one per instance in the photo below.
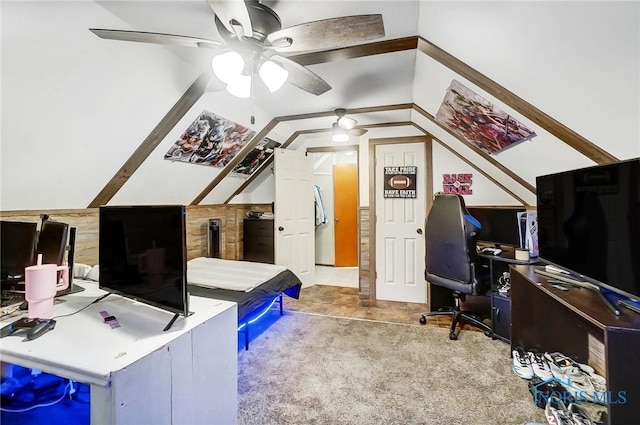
(17, 248)
(52, 242)
(500, 226)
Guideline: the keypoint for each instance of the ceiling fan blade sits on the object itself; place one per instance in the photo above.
(233, 10)
(154, 37)
(357, 131)
(301, 76)
(347, 123)
(328, 33)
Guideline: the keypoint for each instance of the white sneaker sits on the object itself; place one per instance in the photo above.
(559, 364)
(540, 366)
(522, 364)
(583, 377)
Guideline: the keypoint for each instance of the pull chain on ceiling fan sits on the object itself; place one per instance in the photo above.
(254, 42)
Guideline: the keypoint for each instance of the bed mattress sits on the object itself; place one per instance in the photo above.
(283, 281)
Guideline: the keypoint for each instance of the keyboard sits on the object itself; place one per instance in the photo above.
(10, 298)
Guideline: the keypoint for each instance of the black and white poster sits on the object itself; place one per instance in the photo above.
(400, 181)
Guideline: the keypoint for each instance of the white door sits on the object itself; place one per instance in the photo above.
(400, 227)
(294, 214)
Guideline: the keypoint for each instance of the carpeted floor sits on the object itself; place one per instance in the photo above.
(312, 369)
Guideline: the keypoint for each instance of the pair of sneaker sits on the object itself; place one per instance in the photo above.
(582, 377)
(530, 364)
(557, 413)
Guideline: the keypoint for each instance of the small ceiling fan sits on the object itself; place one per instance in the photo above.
(344, 127)
(254, 42)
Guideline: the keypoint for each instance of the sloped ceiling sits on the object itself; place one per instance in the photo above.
(75, 107)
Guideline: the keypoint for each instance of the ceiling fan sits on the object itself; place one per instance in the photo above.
(344, 127)
(254, 41)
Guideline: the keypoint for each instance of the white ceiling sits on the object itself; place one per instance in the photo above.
(89, 103)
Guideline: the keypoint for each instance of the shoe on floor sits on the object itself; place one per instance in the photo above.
(540, 366)
(557, 413)
(522, 364)
(559, 364)
(579, 415)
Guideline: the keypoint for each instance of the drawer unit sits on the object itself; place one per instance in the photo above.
(257, 241)
(501, 315)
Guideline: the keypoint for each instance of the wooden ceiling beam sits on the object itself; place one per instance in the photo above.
(358, 51)
(157, 135)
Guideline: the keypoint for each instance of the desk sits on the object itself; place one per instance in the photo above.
(578, 324)
(501, 305)
(138, 373)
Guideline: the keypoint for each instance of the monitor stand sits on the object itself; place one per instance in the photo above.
(171, 322)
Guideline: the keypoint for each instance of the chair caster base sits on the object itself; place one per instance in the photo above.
(423, 320)
(453, 336)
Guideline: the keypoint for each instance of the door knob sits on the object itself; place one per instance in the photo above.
(337, 219)
(419, 231)
(281, 228)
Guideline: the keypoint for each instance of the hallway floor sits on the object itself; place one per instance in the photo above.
(339, 301)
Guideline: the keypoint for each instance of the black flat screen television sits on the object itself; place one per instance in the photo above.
(17, 248)
(589, 224)
(500, 226)
(143, 255)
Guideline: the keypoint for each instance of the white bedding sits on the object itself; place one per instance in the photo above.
(229, 274)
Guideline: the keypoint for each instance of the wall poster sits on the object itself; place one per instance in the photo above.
(400, 181)
(210, 140)
(255, 158)
(457, 183)
(479, 122)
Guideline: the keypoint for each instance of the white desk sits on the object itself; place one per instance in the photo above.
(139, 374)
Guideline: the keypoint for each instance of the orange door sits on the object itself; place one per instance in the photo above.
(345, 198)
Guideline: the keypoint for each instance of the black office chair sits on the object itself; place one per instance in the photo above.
(451, 259)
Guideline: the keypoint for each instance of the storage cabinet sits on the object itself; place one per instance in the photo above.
(501, 315)
(257, 240)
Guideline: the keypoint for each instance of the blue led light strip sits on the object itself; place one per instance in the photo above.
(255, 319)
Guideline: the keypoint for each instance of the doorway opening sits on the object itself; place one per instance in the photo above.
(337, 231)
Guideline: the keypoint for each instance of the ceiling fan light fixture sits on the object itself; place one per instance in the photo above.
(273, 75)
(227, 66)
(240, 86)
(339, 135)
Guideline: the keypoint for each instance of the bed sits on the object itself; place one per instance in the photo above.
(253, 286)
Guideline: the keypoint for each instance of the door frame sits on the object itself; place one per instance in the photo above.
(346, 148)
(428, 149)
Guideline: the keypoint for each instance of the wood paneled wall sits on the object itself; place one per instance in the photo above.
(86, 221)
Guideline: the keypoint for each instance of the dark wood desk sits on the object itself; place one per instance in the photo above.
(578, 324)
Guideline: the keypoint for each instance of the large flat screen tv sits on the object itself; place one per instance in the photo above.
(143, 255)
(589, 224)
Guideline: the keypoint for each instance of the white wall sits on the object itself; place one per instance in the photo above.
(323, 178)
(75, 107)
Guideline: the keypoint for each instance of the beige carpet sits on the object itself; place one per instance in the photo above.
(310, 369)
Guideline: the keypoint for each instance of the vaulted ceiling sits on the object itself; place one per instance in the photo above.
(111, 109)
